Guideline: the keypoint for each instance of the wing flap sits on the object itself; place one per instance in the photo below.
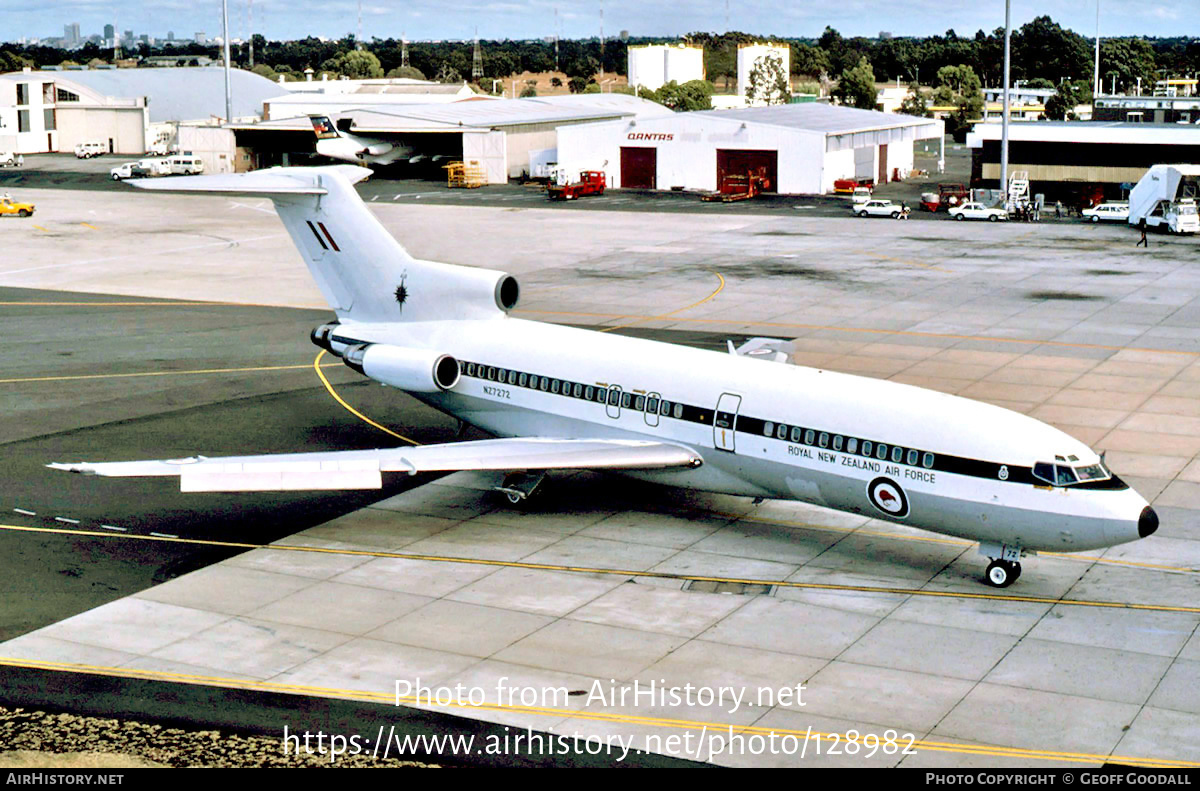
(362, 469)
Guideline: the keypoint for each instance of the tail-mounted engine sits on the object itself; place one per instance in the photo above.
(414, 370)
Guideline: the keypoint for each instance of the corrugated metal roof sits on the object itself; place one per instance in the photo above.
(179, 94)
(1089, 132)
(817, 117)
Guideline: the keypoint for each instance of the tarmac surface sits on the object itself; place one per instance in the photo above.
(1086, 660)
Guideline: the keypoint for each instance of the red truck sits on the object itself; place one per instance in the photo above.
(849, 185)
(591, 182)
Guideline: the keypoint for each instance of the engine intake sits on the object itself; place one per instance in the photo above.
(414, 370)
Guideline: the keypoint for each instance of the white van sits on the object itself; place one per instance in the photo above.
(7, 159)
(156, 167)
(90, 149)
(186, 165)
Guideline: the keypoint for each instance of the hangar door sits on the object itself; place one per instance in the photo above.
(639, 167)
(490, 150)
(735, 167)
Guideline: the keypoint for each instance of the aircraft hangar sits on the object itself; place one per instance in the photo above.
(501, 135)
(799, 148)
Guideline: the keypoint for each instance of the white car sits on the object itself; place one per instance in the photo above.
(129, 170)
(977, 211)
(1107, 211)
(861, 195)
(881, 208)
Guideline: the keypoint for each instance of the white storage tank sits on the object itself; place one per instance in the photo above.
(655, 65)
(750, 54)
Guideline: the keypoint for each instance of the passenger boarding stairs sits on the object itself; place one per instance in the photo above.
(1018, 190)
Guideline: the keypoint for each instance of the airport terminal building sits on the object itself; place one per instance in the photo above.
(1062, 157)
(123, 109)
(802, 148)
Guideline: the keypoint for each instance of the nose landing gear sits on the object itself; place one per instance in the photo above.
(1002, 573)
(1005, 567)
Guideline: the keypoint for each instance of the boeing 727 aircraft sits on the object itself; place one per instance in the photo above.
(559, 398)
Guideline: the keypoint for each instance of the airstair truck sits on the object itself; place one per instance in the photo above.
(1166, 198)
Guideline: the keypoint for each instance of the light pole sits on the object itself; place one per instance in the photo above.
(225, 38)
(1004, 121)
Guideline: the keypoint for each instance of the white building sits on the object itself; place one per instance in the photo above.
(800, 148)
(328, 97)
(652, 67)
(125, 109)
(750, 55)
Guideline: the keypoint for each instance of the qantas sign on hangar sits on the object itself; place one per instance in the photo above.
(799, 148)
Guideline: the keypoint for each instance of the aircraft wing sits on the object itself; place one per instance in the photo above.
(362, 469)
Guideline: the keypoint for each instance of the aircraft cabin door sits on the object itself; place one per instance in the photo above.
(725, 421)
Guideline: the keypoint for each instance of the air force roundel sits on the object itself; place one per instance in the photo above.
(886, 495)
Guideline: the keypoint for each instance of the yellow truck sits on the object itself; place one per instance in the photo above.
(10, 206)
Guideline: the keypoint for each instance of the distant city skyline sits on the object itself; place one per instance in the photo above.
(530, 19)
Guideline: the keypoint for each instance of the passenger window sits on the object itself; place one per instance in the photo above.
(664, 408)
(809, 436)
(553, 385)
(881, 451)
(523, 380)
(589, 393)
(626, 399)
(927, 461)
(866, 447)
(491, 373)
(614, 397)
(639, 402)
(652, 406)
(781, 432)
(512, 377)
(897, 454)
(544, 384)
(797, 433)
(576, 389)
(852, 445)
(678, 410)
(912, 458)
(837, 442)
(768, 429)
(469, 368)
(823, 440)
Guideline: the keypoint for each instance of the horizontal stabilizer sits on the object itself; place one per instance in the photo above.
(272, 181)
(362, 469)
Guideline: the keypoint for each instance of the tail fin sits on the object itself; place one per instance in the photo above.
(323, 127)
(363, 272)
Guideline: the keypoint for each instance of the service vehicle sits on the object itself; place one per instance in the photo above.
(1166, 198)
(861, 195)
(92, 148)
(848, 186)
(591, 182)
(977, 211)
(881, 208)
(185, 165)
(9, 206)
(7, 159)
(130, 170)
(1114, 212)
(155, 167)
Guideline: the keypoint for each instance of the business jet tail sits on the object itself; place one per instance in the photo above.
(363, 272)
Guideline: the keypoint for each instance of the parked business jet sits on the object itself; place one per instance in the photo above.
(558, 398)
(337, 144)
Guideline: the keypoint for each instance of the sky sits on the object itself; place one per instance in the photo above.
(518, 19)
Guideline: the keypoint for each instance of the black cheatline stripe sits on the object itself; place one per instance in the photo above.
(320, 241)
(329, 236)
(956, 465)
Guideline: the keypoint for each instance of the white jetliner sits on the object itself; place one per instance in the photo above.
(336, 144)
(559, 398)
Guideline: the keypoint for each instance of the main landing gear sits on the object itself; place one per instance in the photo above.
(1005, 567)
(518, 487)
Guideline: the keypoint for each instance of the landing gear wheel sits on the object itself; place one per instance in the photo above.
(514, 499)
(1001, 573)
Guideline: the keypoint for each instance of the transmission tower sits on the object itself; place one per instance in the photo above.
(556, 38)
(250, 36)
(477, 60)
(358, 40)
(403, 50)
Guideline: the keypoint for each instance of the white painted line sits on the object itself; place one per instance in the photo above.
(113, 527)
(23, 511)
(67, 521)
(164, 535)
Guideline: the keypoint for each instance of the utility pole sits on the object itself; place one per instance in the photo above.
(250, 13)
(358, 38)
(1004, 123)
(1096, 73)
(477, 60)
(225, 44)
(403, 50)
(556, 38)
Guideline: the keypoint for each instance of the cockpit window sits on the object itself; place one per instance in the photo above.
(1066, 475)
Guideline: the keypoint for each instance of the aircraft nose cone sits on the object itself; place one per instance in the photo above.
(1147, 522)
